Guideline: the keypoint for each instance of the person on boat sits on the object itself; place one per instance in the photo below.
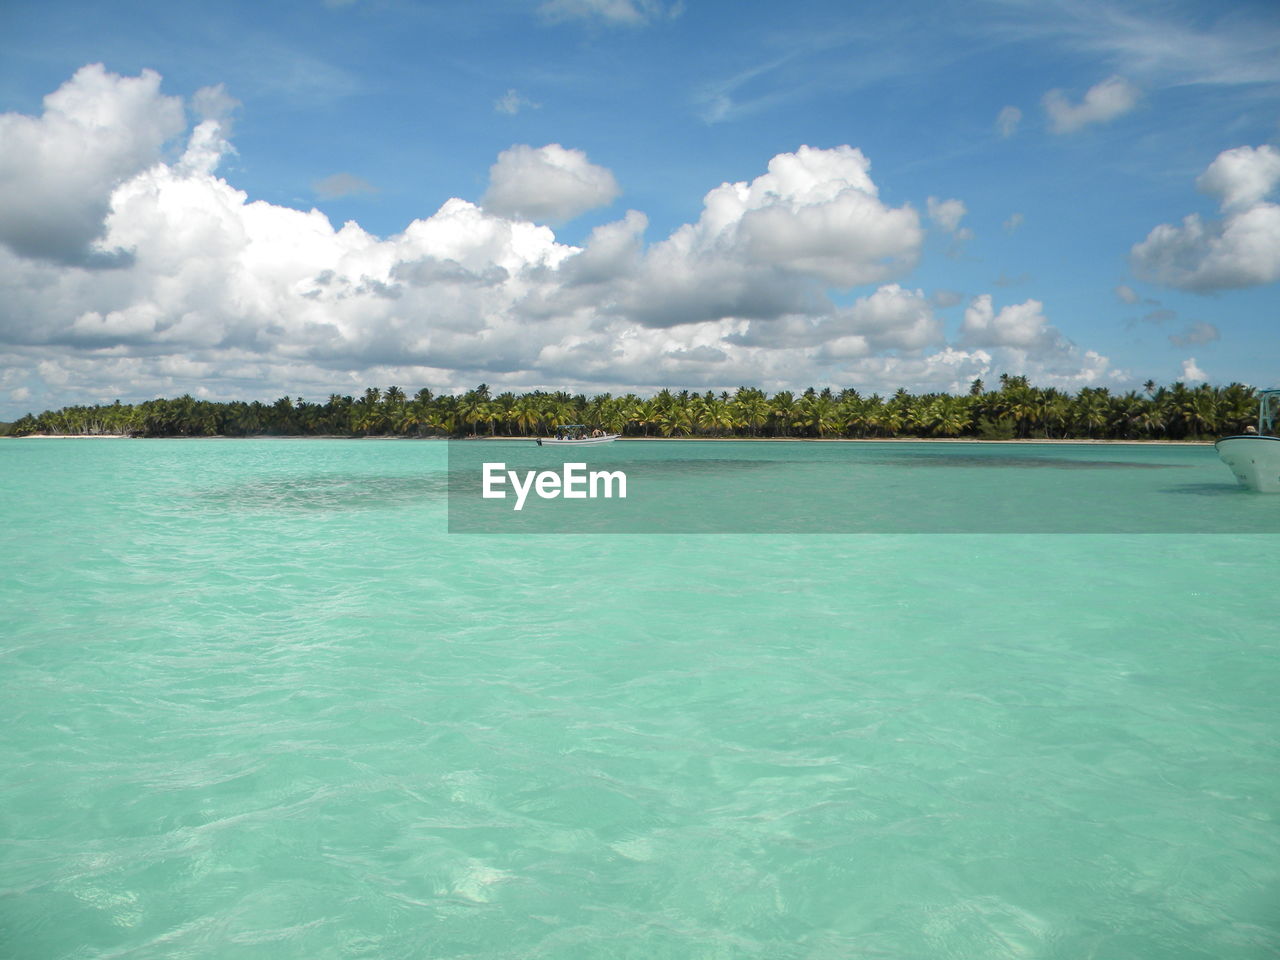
(1251, 429)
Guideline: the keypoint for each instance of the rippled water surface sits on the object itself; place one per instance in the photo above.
(256, 702)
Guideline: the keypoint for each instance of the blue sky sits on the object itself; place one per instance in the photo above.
(989, 187)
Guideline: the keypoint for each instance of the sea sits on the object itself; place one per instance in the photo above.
(287, 698)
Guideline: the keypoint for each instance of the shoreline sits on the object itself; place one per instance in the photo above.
(1172, 443)
(1065, 441)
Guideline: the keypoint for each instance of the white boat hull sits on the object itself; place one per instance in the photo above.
(584, 442)
(1254, 460)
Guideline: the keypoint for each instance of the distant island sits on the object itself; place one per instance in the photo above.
(1017, 410)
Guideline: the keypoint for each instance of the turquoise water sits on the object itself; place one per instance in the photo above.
(256, 702)
(886, 487)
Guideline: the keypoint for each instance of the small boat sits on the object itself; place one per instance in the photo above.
(576, 435)
(1255, 457)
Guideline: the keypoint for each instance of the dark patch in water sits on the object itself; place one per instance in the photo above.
(469, 476)
(328, 492)
(1228, 489)
(1034, 463)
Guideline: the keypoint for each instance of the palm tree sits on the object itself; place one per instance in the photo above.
(630, 411)
(1092, 409)
(816, 414)
(1018, 408)
(949, 416)
(526, 413)
(474, 407)
(504, 411)
(1237, 407)
(782, 409)
(1202, 412)
(1173, 403)
(392, 407)
(750, 408)
(444, 415)
(676, 419)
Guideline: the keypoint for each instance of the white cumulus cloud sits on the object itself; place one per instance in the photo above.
(816, 212)
(891, 318)
(220, 295)
(1022, 326)
(57, 171)
(1191, 371)
(772, 246)
(1101, 104)
(1242, 177)
(547, 184)
(1240, 250)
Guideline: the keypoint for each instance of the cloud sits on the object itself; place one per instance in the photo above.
(952, 369)
(717, 100)
(1007, 121)
(613, 250)
(512, 102)
(1191, 371)
(1020, 338)
(1013, 223)
(547, 184)
(891, 318)
(1241, 177)
(221, 295)
(1166, 44)
(1022, 326)
(816, 213)
(1240, 250)
(341, 185)
(1126, 294)
(1197, 333)
(57, 171)
(770, 247)
(628, 13)
(211, 139)
(1005, 280)
(946, 214)
(1102, 103)
(214, 103)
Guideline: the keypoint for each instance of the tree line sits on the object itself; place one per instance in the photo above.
(1016, 409)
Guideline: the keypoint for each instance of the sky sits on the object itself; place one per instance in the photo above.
(241, 201)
